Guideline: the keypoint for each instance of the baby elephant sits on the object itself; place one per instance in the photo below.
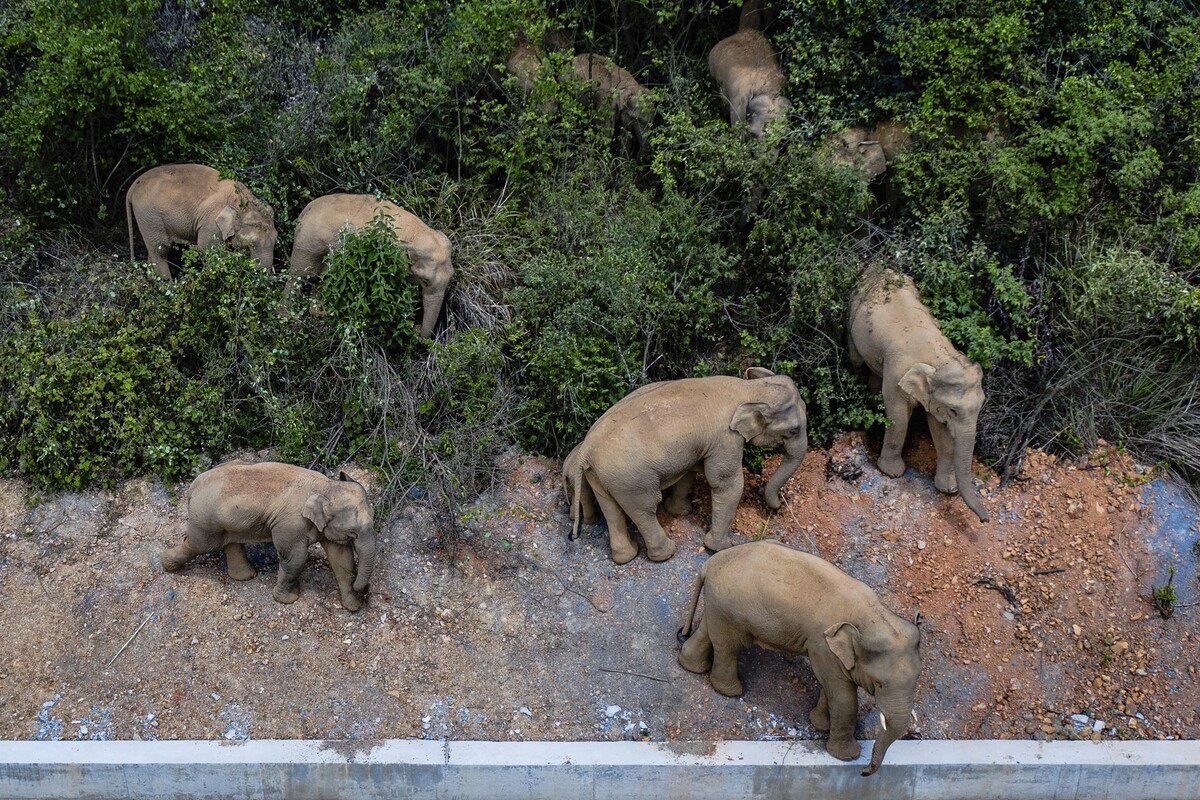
(293, 507)
(768, 594)
(655, 439)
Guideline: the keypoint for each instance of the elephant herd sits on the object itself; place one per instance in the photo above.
(192, 204)
(645, 451)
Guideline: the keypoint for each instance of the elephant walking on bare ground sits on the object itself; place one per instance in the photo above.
(655, 439)
(428, 250)
(191, 204)
(768, 594)
(745, 67)
(235, 503)
(893, 334)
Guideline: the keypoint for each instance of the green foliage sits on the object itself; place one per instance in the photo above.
(366, 285)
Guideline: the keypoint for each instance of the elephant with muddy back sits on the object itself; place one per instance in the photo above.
(655, 440)
(911, 361)
(192, 204)
(781, 599)
(322, 220)
(236, 503)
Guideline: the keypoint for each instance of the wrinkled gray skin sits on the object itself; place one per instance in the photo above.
(191, 204)
(745, 67)
(235, 503)
(871, 151)
(657, 438)
(604, 85)
(768, 594)
(893, 334)
(428, 250)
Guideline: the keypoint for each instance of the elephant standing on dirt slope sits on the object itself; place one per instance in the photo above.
(745, 67)
(660, 435)
(292, 507)
(893, 334)
(768, 594)
(428, 250)
(191, 204)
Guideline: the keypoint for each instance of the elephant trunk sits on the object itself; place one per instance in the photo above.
(795, 450)
(364, 550)
(265, 257)
(897, 715)
(432, 303)
(962, 473)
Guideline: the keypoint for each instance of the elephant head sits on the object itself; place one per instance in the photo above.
(342, 514)
(856, 147)
(250, 228)
(952, 394)
(883, 657)
(763, 109)
(776, 417)
(429, 260)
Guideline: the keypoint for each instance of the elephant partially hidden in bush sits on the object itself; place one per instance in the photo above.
(657, 438)
(746, 69)
(893, 334)
(782, 599)
(191, 204)
(428, 250)
(292, 507)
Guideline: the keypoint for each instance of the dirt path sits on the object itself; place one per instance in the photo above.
(509, 631)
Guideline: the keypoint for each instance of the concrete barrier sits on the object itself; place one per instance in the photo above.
(391, 769)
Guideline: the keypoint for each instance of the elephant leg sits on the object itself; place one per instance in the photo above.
(945, 480)
(624, 549)
(197, 541)
(587, 502)
(643, 510)
(819, 716)
(697, 652)
(236, 562)
(724, 677)
(843, 713)
(291, 564)
(891, 462)
(676, 502)
(727, 483)
(341, 560)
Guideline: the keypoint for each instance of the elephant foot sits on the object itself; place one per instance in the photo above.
(845, 749)
(892, 466)
(728, 688)
(623, 553)
(661, 552)
(819, 718)
(717, 543)
(351, 602)
(285, 596)
(677, 508)
(698, 662)
(173, 560)
(946, 483)
(242, 572)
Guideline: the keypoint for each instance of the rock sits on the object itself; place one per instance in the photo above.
(612, 711)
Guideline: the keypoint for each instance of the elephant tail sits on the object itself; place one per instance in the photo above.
(129, 224)
(576, 480)
(686, 629)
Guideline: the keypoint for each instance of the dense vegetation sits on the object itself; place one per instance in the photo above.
(1048, 207)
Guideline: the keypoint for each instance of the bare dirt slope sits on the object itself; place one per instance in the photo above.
(1037, 624)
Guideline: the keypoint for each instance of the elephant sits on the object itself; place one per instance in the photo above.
(428, 250)
(293, 507)
(658, 437)
(192, 204)
(745, 67)
(893, 334)
(604, 85)
(872, 151)
(768, 594)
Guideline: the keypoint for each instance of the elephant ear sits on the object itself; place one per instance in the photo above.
(754, 373)
(749, 419)
(317, 510)
(842, 639)
(915, 383)
(225, 222)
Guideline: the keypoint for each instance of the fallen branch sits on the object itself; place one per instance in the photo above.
(130, 639)
(1054, 571)
(635, 674)
(1007, 591)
